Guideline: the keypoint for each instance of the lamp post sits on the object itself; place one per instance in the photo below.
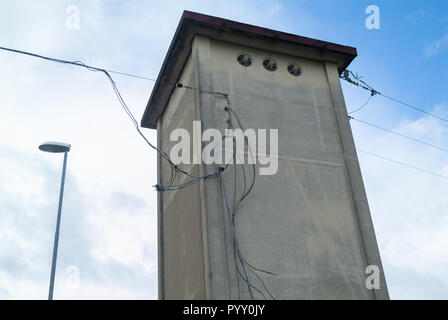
(56, 147)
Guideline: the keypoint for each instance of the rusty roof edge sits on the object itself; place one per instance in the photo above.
(349, 52)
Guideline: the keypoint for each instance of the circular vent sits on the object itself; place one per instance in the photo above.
(270, 64)
(294, 70)
(244, 60)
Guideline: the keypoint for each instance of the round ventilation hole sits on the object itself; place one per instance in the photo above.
(270, 64)
(244, 60)
(294, 70)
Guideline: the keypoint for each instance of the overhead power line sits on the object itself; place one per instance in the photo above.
(362, 84)
(416, 108)
(131, 75)
(174, 167)
(108, 70)
(356, 81)
(402, 163)
(92, 68)
(399, 134)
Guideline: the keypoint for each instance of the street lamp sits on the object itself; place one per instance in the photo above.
(56, 147)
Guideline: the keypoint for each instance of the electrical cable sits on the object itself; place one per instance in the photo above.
(235, 238)
(174, 167)
(115, 88)
(252, 286)
(128, 111)
(263, 284)
(362, 107)
(240, 275)
(402, 164)
(131, 75)
(416, 108)
(253, 269)
(399, 134)
(362, 84)
(231, 111)
(235, 179)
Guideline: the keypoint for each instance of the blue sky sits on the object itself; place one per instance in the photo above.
(109, 220)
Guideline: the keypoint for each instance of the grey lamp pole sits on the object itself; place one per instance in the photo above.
(56, 147)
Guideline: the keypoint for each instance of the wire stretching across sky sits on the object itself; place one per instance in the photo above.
(354, 82)
(362, 84)
(402, 163)
(174, 167)
(91, 68)
(399, 134)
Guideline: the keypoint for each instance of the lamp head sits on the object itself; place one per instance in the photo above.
(55, 147)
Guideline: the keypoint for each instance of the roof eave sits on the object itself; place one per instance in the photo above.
(180, 48)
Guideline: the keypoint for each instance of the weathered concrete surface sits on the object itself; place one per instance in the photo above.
(309, 223)
(181, 253)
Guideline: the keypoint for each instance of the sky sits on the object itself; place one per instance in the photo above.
(108, 247)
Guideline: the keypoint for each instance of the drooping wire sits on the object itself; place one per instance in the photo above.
(235, 238)
(195, 178)
(174, 168)
(240, 275)
(251, 269)
(236, 250)
(242, 260)
(363, 106)
(186, 184)
(235, 179)
(245, 193)
(117, 92)
(232, 112)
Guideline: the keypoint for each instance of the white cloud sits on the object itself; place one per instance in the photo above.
(415, 16)
(128, 237)
(108, 227)
(409, 207)
(437, 47)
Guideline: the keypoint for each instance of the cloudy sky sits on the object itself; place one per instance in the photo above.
(108, 232)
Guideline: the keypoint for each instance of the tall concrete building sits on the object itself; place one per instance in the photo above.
(308, 225)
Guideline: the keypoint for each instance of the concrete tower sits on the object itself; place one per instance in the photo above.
(309, 223)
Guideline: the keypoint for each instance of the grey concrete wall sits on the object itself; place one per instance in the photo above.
(181, 258)
(309, 223)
